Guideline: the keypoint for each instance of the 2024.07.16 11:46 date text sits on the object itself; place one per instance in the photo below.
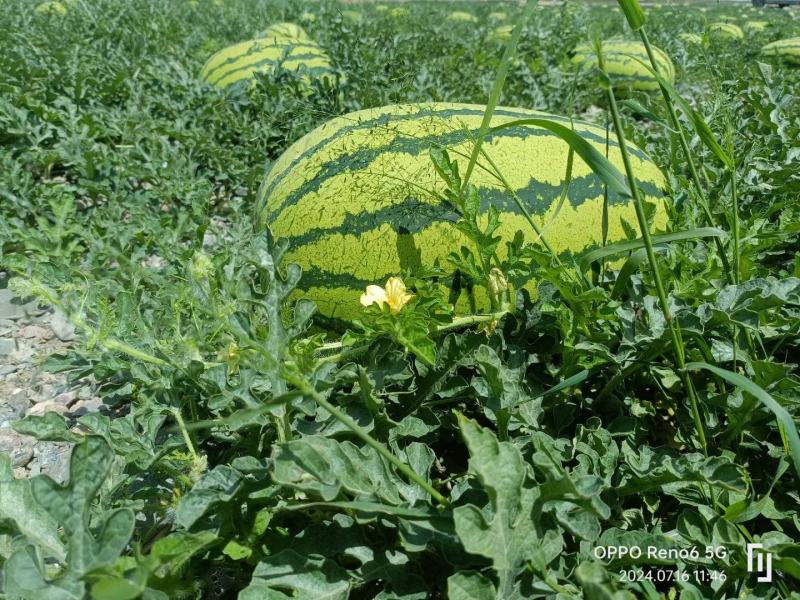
(666, 574)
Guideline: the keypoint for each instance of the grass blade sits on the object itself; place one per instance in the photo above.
(592, 256)
(782, 416)
(598, 163)
(497, 88)
(633, 13)
(630, 267)
(700, 125)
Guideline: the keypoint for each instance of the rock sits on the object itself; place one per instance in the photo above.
(7, 346)
(23, 354)
(7, 369)
(62, 327)
(19, 447)
(154, 262)
(14, 308)
(66, 398)
(13, 407)
(6, 326)
(86, 406)
(48, 406)
(35, 332)
(51, 458)
(209, 240)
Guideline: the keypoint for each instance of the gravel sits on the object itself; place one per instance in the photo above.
(28, 335)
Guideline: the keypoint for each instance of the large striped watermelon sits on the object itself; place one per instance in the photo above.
(240, 62)
(358, 197)
(788, 49)
(286, 30)
(620, 61)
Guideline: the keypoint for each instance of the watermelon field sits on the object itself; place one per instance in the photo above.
(324, 300)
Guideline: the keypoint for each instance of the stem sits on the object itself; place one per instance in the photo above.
(735, 225)
(108, 342)
(301, 384)
(735, 219)
(466, 321)
(731, 273)
(184, 432)
(457, 323)
(497, 88)
(524, 209)
(674, 328)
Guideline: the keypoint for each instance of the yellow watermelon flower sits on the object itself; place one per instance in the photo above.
(394, 294)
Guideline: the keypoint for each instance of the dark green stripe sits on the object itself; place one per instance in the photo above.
(315, 73)
(254, 48)
(363, 157)
(783, 47)
(315, 277)
(284, 61)
(384, 120)
(318, 278)
(412, 216)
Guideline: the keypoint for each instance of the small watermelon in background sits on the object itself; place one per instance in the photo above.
(727, 31)
(286, 30)
(308, 17)
(239, 63)
(51, 8)
(358, 198)
(691, 38)
(756, 26)
(621, 64)
(462, 17)
(788, 50)
(497, 17)
(393, 11)
(502, 33)
(352, 15)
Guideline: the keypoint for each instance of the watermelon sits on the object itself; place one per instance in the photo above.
(497, 17)
(691, 38)
(788, 49)
(756, 26)
(728, 31)
(240, 62)
(462, 17)
(358, 198)
(502, 33)
(286, 30)
(625, 72)
(352, 15)
(51, 8)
